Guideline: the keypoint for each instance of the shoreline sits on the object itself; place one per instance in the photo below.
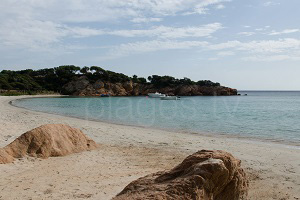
(266, 141)
(127, 153)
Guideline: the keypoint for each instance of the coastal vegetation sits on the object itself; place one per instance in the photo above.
(58, 78)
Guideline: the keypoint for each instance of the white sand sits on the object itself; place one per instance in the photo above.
(127, 153)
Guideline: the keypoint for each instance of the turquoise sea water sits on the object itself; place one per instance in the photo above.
(263, 115)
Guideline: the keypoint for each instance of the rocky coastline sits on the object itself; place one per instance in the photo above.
(82, 86)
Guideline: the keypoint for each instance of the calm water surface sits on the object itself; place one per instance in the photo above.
(264, 115)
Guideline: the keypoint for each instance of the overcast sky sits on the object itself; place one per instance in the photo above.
(245, 44)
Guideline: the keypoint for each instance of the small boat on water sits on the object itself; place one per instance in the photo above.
(105, 95)
(170, 98)
(156, 95)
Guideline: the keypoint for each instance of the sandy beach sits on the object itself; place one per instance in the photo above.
(127, 153)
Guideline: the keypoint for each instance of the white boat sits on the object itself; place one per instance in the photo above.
(169, 98)
(156, 95)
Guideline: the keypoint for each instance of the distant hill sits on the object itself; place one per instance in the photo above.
(96, 81)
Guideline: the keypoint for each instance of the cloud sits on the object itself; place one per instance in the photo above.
(264, 50)
(101, 10)
(36, 24)
(287, 49)
(43, 25)
(286, 31)
(151, 46)
(271, 3)
(201, 7)
(213, 58)
(246, 33)
(220, 6)
(261, 46)
(226, 53)
(146, 20)
(170, 32)
(263, 28)
(204, 4)
(270, 49)
(30, 33)
(79, 32)
(40, 34)
(272, 58)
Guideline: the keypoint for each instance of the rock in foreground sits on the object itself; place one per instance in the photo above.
(204, 175)
(50, 140)
(5, 157)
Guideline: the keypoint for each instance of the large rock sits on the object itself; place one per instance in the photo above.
(204, 175)
(167, 90)
(101, 91)
(184, 90)
(5, 157)
(88, 91)
(98, 85)
(118, 89)
(47, 141)
(128, 86)
(76, 86)
(136, 89)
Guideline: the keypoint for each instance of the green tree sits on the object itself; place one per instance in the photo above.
(142, 80)
(135, 78)
(4, 84)
(85, 70)
(97, 70)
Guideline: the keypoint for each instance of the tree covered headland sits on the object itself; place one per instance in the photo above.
(53, 79)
